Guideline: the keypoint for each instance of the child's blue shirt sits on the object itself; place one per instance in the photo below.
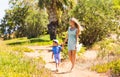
(56, 49)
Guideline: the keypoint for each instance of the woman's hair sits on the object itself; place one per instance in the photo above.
(77, 25)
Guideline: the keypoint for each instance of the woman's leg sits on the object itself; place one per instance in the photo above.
(70, 56)
(73, 58)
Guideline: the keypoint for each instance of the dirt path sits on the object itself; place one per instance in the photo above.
(78, 71)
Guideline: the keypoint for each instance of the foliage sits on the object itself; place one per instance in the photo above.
(114, 66)
(36, 23)
(65, 52)
(15, 64)
(82, 50)
(63, 25)
(107, 47)
(56, 7)
(101, 68)
(24, 18)
(21, 49)
(96, 17)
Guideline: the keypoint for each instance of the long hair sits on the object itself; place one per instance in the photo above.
(77, 24)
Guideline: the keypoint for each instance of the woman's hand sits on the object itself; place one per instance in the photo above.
(76, 46)
(62, 45)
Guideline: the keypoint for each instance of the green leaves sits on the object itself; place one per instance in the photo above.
(96, 16)
(36, 22)
(31, 21)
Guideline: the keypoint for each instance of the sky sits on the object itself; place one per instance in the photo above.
(3, 6)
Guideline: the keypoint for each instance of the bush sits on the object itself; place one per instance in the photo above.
(65, 53)
(82, 50)
(114, 66)
(107, 47)
(96, 17)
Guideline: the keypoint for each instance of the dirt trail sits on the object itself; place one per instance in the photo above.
(78, 71)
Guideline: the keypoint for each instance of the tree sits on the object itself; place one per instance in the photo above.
(6, 26)
(54, 9)
(36, 23)
(25, 18)
(97, 17)
(18, 13)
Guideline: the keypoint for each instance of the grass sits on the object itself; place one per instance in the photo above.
(114, 66)
(108, 47)
(42, 40)
(15, 64)
(21, 49)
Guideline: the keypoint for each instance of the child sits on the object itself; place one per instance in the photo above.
(56, 52)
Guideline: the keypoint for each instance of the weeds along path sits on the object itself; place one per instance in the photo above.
(80, 69)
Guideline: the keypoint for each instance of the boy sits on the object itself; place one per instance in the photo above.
(56, 52)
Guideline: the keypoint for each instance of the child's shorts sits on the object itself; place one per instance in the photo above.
(57, 58)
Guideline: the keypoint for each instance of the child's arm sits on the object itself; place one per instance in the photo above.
(52, 55)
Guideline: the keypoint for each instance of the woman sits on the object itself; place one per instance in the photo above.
(72, 37)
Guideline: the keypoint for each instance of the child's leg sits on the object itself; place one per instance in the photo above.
(56, 61)
(56, 66)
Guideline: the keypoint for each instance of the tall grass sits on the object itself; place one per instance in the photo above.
(16, 64)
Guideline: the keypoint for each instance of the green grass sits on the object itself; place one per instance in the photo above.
(21, 49)
(42, 40)
(13, 63)
(16, 65)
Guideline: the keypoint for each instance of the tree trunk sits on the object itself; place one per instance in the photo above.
(53, 22)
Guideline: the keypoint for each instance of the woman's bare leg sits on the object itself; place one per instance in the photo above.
(73, 58)
(70, 56)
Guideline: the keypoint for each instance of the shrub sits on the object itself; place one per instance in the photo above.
(114, 66)
(65, 53)
(82, 50)
(107, 47)
(96, 17)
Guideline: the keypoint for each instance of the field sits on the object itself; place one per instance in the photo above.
(13, 62)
